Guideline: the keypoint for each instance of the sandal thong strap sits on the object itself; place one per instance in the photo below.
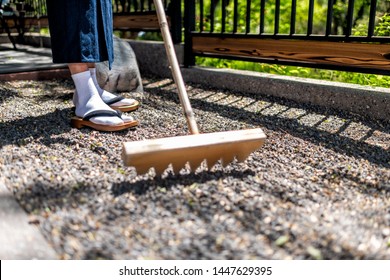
(114, 100)
(102, 113)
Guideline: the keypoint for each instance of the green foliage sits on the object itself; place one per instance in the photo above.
(44, 31)
(151, 36)
(383, 26)
(303, 72)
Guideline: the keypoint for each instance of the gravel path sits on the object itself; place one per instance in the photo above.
(319, 187)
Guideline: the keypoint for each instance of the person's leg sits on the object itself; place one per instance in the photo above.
(76, 68)
(105, 95)
(88, 99)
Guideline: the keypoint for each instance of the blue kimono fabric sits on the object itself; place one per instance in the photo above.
(81, 30)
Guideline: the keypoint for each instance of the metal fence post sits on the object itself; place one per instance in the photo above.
(189, 26)
(175, 14)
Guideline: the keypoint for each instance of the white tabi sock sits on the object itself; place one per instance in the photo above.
(88, 100)
(107, 96)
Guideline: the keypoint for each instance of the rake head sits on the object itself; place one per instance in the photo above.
(191, 149)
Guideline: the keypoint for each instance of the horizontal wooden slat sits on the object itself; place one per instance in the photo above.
(42, 22)
(359, 55)
(28, 21)
(141, 22)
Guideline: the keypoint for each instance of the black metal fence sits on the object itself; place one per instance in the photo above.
(140, 15)
(34, 7)
(128, 6)
(30, 8)
(336, 34)
(335, 20)
(314, 19)
(133, 15)
(347, 35)
(119, 6)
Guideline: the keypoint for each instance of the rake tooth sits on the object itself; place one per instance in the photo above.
(142, 169)
(245, 153)
(160, 167)
(178, 166)
(227, 158)
(211, 161)
(195, 163)
(176, 169)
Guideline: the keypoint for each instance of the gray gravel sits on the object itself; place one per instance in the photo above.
(318, 189)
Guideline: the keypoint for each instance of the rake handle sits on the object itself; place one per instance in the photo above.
(175, 68)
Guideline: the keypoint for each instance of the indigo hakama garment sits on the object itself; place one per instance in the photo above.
(81, 30)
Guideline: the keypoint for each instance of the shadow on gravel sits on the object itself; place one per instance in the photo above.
(23, 131)
(335, 141)
(48, 199)
(42, 196)
(365, 187)
(143, 186)
(49, 91)
(6, 94)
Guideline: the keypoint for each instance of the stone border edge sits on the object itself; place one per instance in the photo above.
(372, 102)
(20, 240)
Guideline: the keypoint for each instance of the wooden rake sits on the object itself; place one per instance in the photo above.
(192, 149)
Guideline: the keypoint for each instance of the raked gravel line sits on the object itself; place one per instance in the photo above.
(318, 188)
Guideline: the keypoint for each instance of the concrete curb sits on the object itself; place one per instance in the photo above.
(363, 100)
(39, 75)
(20, 240)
